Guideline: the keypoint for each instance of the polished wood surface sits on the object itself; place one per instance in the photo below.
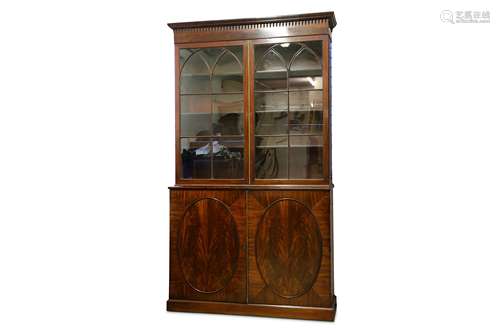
(254, 187)
(252, 245)
(208, 245)
(278, 311)
(289, 248)
(330, 16)
(246, 29)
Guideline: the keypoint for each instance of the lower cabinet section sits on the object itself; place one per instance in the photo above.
(255, 252)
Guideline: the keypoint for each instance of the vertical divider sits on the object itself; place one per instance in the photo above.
(250, 110)
(288, 119)
(246, 248)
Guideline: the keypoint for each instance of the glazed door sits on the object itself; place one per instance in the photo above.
(208, 245)
(290, 111)
(289, 253)
(211, 113)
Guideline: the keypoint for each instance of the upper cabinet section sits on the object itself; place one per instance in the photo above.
(252, 101)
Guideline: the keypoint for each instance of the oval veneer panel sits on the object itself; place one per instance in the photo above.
(208, 245)
(288, 248)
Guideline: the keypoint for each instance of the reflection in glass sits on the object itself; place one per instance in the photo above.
(195, 76)
(216, 157)
(196, 158)
(271, 102)
(227, 75)
(306, 141)
(305, 71)
(306, 153)
(271, 157)
(195, 115)
(228, 157)
(289, 123)
(306, 162)
(306, 112)
(271, 123)
(271, 73)
(306, 122)
(184, 54)
(305, 82)
(228, 114)
(306, 60)
(306, 100)
(211, 113)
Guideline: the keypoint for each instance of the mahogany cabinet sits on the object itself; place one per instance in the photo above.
(251, 216)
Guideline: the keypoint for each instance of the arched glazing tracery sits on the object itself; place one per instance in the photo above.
(288, 95)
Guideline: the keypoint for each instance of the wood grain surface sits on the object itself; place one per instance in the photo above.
(289, 248)
(207, 245)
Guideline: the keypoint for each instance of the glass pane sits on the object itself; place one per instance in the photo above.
(306, 162)
(306, 112)
(306, 60)
(306, 141)
(227, 76)
(289, 124)
(196, 118)
(184, 54)
(271, 157)
(196, 158)
(305, 82)
(211, 54)
(287, 51)
(227, 116)
(195, 75)
(271, 102)
(271, 141)
(271, 113)
(271, 73)
(306, 157)
(306, 122)
(271, 122)
(306, 100)
(305, 67)
(228, 157)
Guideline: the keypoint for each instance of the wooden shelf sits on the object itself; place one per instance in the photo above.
(208, 113)
(276, 111)
(212, 93)
(284, 91)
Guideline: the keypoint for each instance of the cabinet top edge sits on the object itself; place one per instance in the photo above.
(278, 20)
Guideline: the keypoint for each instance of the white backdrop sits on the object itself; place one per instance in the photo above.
(86, 155)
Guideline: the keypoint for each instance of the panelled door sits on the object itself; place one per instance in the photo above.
(289, 253)
(212, 113)
(289, 111)
(208, 245)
